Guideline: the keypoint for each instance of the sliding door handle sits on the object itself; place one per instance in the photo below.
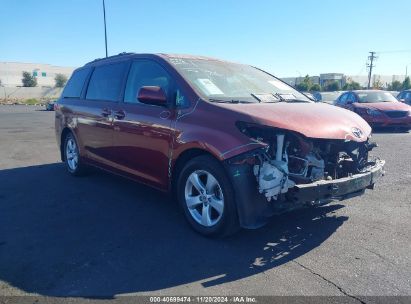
(119, 114)
(106, 112)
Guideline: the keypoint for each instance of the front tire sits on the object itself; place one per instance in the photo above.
(72, 159)
(206, 196)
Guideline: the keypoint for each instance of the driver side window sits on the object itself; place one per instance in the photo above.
(351, 98)
(343, 99)
(146, 73)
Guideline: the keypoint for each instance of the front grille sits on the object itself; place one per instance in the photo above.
(396, 114)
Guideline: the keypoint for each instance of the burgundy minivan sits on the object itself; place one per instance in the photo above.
(234, 143)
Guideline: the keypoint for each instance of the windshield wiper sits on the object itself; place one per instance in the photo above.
(228, 100)
(281, 98)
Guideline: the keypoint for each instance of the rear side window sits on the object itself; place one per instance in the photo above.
(106, 82)
(75, 84)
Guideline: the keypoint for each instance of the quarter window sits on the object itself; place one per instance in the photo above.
(106, 82)
(75, 84)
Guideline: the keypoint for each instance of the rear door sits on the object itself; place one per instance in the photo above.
(143, 133)
(95, 118)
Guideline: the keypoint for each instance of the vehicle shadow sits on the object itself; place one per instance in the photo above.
(102, 235)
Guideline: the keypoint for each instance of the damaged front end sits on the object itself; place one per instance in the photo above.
(293, 170)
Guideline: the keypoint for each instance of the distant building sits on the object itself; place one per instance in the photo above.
(11, 73)
(328, 78)
(293, 81)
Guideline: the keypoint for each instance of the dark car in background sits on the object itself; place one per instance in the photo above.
(405, 97)
(327, 97)
(50, 105)
(378, 108)
(234, 143)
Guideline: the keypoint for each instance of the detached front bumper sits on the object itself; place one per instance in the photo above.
(254, 211)
(338, 189)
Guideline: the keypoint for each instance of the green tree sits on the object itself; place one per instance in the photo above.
(28, 80)
(352, 85)
(406, 85)
(305, 85)
(60, 80)
(315, 87)
(333, 86)
(302, 87)
(395, 86)
(377, 84)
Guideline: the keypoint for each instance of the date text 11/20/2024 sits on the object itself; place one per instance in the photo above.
(203, 299)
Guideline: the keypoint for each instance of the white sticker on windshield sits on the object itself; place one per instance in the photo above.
(209, 87)
(279, 85)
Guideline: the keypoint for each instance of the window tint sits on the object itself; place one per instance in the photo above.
(75, 84)
(343, 99)
(351, 98)
(146, 73)
(106, 82)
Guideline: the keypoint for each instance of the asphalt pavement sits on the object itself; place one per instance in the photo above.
(103, 236)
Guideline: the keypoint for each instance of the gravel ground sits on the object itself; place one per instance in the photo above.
(103, 236)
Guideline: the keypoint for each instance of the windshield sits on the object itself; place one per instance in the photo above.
(373, 96)
(330, 97)
(225, 81)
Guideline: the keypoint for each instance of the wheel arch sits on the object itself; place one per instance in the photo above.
(182, 159)
(66, 130)
(63, 136)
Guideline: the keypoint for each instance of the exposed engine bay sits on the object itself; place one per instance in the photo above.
(291, 159)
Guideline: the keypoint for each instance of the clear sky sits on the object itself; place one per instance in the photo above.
(287, 38)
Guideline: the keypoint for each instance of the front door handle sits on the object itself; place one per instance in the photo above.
(106, 112)
(119, 114)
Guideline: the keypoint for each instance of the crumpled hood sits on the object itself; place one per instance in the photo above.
(384, 106)
(313, 120)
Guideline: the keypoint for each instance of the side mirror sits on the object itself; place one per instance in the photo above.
(402, 99)
(152, 95)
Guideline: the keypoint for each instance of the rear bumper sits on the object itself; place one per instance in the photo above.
(254, 211)
(340, 188)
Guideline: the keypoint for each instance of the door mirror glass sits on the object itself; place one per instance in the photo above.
(152, 95)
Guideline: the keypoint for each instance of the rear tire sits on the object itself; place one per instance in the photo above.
(206, 196)
(72, 157)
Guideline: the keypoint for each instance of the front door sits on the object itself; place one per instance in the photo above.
(143, 133)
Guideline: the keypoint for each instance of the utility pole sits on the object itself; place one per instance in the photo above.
(370, 66)
(105, 28)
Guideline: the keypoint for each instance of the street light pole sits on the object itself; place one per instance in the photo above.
(105, 28)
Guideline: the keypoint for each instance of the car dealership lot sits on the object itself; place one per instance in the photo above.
(102, 235)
